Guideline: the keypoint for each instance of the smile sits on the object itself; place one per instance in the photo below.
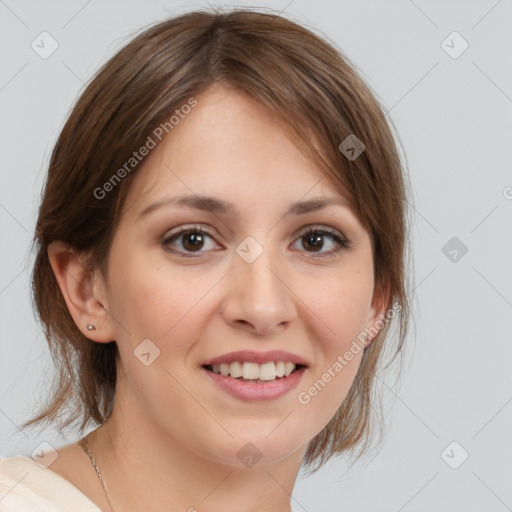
(254, 372)
(256, 389)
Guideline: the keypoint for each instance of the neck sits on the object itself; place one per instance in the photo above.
(145, 468)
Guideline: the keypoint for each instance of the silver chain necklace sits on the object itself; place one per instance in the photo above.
(84, 444)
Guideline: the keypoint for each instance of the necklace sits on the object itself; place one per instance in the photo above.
(84, 444)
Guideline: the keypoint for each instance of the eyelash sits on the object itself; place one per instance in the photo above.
(342, 243)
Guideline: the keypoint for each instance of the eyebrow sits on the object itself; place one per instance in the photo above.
(220, 207)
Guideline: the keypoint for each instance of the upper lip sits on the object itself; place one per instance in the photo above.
(251, 356)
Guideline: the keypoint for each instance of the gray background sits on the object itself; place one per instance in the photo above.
(454, 118)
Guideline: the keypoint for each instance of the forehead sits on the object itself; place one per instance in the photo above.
(229, 146)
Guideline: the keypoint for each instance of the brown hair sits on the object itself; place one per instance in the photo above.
(310, 85)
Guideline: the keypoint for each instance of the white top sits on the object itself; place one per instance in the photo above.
(27, 486)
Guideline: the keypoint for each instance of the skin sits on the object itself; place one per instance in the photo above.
(173, 436)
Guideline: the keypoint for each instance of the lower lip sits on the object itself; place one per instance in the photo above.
(257, 392)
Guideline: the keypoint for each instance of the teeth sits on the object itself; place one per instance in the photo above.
(267, 371)
(236, 370)
(288, 368)
(253, 371)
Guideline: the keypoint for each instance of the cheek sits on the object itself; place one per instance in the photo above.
(339, 313)
(330, 388)
(341, 307)
(152, 300)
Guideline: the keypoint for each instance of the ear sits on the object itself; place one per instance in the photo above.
(84, 292)
(377, 314)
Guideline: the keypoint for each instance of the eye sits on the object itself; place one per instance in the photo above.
(185, 241)
(191, 239)
(315, 238)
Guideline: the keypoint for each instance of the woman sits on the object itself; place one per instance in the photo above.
(220, 253)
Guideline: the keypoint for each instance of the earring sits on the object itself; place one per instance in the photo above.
(91, 327)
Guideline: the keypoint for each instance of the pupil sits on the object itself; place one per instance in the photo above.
(196, 241)
(314, 239)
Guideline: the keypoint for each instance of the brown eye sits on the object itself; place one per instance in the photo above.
(192, 241)
(187, 241)
(314, 240)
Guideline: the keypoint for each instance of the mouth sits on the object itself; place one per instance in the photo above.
(252, 375)
(272, 371)
(257, 382)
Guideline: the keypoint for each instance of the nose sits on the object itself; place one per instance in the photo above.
(258, 299)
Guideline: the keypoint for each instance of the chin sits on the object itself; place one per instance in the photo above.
(258, 449)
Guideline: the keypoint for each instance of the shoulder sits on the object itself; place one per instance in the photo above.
(26, 485)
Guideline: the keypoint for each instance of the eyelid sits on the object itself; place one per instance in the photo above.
(191, 227)
(321, 228)
(186, 228)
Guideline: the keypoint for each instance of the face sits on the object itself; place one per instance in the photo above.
(202, 280)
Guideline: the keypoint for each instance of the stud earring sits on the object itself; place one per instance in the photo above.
(91, 327)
